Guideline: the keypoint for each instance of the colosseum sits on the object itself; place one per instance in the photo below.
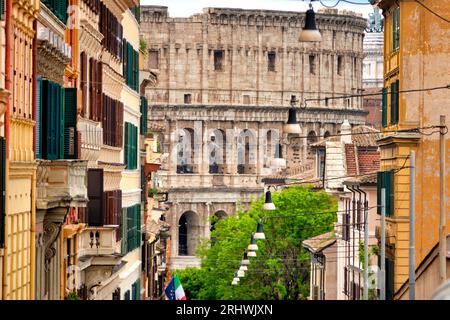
(225, 81)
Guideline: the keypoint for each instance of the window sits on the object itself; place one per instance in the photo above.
(95, 90)
(136, 290)
(127, 295)
(144, 115)
(130, 146)
(112, 122)
(130, 65)
(385, 179)
(246, 99)
(2, 10)
(312, 64)
(131, 228)
(218, 60)
(112, 32)
(136, 13)
(153, 59)
(83, 82)
(384, 102)
(56, 112)
(272, 58)
(187, 98)
(340, 65)
(396, 29)
(58, 7)
(394, 102)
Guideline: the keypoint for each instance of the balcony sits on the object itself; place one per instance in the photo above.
(61, 183)
(91, 140)
(97, 241)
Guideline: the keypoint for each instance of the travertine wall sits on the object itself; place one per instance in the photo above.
(244, 94)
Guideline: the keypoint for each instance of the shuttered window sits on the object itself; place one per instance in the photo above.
(38, 143)
(131, 135)
(131, 228)
(130, 66)
(389, 279)
(136, 290)
(112, 32)
(2, 190)
(144, 114)
(112, 122)
(70, 125)
(112, 207)
(50, 132)
(84, 83)
(384, 103)
(385, 179)
(95, 195)
(394, 102)
(58, 7)
(2, 10)
(396, 29)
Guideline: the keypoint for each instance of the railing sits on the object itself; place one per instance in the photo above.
(96, 241)
(61, 180)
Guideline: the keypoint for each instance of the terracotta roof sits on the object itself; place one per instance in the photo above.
(361, 138)
(368, 160)
(364, 180)
(320, 242)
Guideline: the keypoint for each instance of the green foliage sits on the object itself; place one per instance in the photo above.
(281, 268)
(143, 45)
(73, 295)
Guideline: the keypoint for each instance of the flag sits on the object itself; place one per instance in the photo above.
(174, 290)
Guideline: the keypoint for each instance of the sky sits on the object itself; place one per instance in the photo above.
(185, 8)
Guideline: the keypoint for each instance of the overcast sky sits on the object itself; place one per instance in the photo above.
(185, 8)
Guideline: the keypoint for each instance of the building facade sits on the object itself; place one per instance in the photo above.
(412, 63)
(17, 152)
(225, 81)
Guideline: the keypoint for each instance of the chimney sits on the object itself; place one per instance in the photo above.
(346, 130)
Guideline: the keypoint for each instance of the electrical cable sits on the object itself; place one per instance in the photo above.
(433, 12)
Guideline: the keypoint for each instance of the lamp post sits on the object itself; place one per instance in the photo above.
(310, 32)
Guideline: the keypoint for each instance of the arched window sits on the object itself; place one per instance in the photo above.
(186, 151)
(326, 134)
(217, 152)
(246, 152)
(188, 230)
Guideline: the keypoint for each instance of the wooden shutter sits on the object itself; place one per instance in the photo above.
(39, 96)
(119, 125)
(389, 185)
(95, 195)
(104, 120)
(92, 110)
(61, 109)
(394, 102)
(380, 185)
(389, 279)
(84, 78)
(2, 10)
(125, 59)
(118, 218)
(2, 190)
(384, 107)
(70, 124)
(124, 229)
(127, 145)
(127, 295)
(99, 87)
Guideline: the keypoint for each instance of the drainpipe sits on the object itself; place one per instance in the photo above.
(8, 87)
(358, 227)
(352, 238)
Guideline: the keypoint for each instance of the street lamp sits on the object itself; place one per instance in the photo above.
(259, 235)
(310, 32)
(235, 279)
(241, 273)
(245, 261)
(268, 204)
(292, 125)
(252, 246)
(252, 254)
(243, 268)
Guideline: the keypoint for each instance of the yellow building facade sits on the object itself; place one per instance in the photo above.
(18, 251)
(416, 57)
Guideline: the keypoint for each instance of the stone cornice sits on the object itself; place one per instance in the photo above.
(49, 20)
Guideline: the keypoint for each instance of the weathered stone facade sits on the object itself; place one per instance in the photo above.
(235, 70)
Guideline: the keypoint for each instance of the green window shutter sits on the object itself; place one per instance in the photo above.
(384, 107)
(389, 182)
(2, 9)
(61, 128)
(2, 190)
(380, 185)
(70, 123)
(126, 151)
(124, 231)
(389, 279)
(127, 295)
(135, 135)
(393, 103)
(39, 93)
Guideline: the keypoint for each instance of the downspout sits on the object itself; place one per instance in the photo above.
(352, 239)
(358, 222)
(8, 87)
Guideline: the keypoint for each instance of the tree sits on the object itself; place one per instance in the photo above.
(281, 268)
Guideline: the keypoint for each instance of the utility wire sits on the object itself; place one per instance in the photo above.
(433, 12)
